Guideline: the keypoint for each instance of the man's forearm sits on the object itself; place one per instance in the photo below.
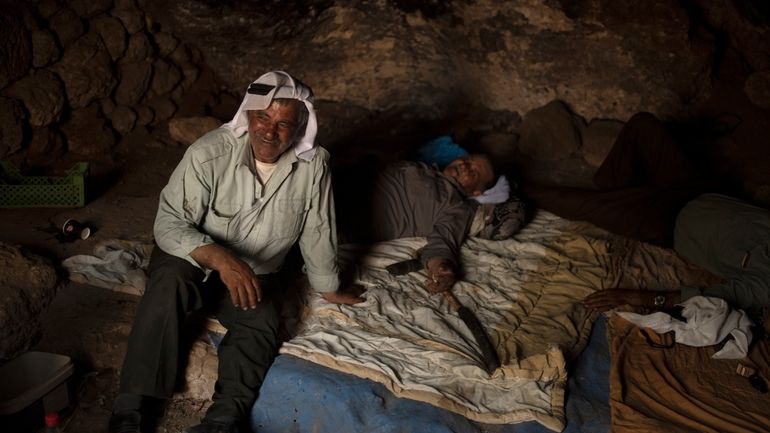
(211, 256)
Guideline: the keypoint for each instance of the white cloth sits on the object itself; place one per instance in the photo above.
(709, 321)
(499, 193)
(282, 85)
(116, 264)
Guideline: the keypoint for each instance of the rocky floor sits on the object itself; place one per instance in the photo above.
(91, 324)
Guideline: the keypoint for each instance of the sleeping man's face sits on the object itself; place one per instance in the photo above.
(473, 172)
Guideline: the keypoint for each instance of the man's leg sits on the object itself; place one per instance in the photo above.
(245, 354)
(645, 154)
(643, 183)
(150, 364)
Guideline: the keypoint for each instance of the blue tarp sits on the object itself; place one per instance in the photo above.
(299, 396)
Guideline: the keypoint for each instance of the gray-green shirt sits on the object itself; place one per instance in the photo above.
(214, 196)
(731, 239)
(412, 199)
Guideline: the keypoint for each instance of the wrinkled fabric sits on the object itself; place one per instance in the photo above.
(681, 389)
(708, 321)
(115, 264)
(525, 291)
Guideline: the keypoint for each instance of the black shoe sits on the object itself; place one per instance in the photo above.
(217, 425)
(126, 421)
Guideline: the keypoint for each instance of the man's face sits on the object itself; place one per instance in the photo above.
(272, 130)
(472, 172)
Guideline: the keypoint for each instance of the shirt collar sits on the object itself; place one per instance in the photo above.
(246, 158)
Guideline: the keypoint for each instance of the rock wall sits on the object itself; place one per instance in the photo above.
(389, 73)
(76, 76)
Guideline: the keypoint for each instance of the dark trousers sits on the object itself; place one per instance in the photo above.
(175, 288)
(642, 185)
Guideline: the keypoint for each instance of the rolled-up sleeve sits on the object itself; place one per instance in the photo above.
(181, 209)
(318, 241)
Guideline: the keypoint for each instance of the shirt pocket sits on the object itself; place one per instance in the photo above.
(222, 224)
(288, 218)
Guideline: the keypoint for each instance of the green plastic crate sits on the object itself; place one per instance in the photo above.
(17, 190)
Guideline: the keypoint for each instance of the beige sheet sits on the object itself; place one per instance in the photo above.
(526, 291)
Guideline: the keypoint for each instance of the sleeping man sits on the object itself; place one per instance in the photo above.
(408, 199)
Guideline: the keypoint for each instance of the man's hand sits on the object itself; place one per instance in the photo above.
(604, 300)
(243, 285)
(441, 275)
(346, 295)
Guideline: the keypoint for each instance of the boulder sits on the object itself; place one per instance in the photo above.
(90, 8)
(163, 108)
(145, 115)
(123, 119)
(87, 132)
(165, 77)
(112, 32)
(67, 25)
(28, 283)
(46, 144)
(139, 48)
(42, 94)
(134, 81)
(550, 133)
(12, 121)
(86, 69)
(16, 49)
(165, 42)
(45, 50)
(131, 17)
(186, 130)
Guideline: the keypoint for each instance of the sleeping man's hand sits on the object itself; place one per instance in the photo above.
(441, 275)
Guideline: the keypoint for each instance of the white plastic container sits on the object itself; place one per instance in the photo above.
(32, 385)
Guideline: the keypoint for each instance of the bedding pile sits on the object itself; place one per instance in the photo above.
(527, 293)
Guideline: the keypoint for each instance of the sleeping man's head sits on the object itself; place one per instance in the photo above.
(473, 172)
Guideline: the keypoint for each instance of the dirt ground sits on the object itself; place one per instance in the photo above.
(87, 323)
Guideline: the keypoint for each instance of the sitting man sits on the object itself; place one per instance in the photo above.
(649, 190)
(240, 198)
(412, 199)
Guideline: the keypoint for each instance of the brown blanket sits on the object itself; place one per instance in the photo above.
(681, 389)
